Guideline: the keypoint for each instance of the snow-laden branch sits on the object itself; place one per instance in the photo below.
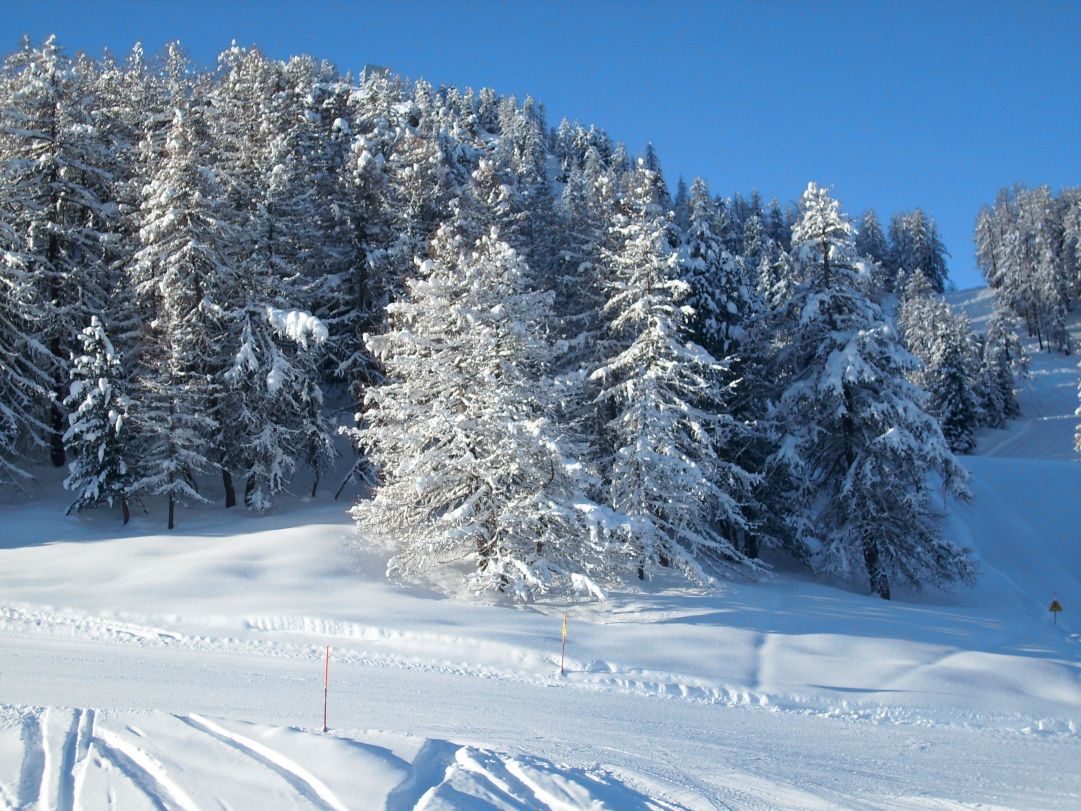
(298, 326)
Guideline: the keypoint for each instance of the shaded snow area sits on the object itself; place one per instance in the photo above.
(146, 669)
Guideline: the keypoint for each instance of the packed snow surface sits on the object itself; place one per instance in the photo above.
(146, 669)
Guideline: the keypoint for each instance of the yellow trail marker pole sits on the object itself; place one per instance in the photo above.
(1056, 606)
(326, 686)
(563, 655)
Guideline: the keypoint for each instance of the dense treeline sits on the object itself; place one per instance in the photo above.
(1028, 245)
(563, 375)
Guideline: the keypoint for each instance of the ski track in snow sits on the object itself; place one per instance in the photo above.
(440, 775)
(32, 771)
(145, 772)
(306, 784)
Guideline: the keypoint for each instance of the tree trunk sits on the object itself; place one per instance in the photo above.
(484, 553)
(880, 583)
(57, 454)
(826, 267)
(346, 480)
(315, 484)
(872, 557)
(172, 504)
(249, 488)
(124, 509)
(230, 491)
(748, 543)
(56, 414)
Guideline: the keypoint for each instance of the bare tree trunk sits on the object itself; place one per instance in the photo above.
(57, 454)
(230, 491)
(748, 543)
(880, 583)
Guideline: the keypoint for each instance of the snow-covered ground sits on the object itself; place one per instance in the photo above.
(141, 668)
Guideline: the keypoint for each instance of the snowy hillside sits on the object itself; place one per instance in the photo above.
(140, 668)
(1049, 402)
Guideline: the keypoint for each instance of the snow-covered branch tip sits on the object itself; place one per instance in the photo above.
(298, 326)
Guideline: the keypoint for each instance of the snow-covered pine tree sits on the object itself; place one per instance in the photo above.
(870, 240)
(337, 269)
(987, 237)
(755, 243)
(471, 467)
(279, 293)
(128, 104)
(859, 452)
(23, 361)
(419, 188)
(580, 272)
(1071, 235)
(871, 244)
(270, 384)
(778, 225)
(664, 398)
(1052, 287)
(951, 369)
(915, 245)
(932, 253)
(720, 299)
(400, 172)
(181, 269)
(378, 130)
(727, 308)
(101, 450)
(384, 240)
(1003, 367)
(276, 394)
(532, 193)
(248, 106)
(580, 269)
(563, 147)
(921, 314)
(1026, 248)
(681, 206)
(54, 195)
(495, 200)
(727, 227)
(951, 376)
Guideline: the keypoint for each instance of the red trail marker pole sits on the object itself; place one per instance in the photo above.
(326, 686)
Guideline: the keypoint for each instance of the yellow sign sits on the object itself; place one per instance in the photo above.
(1056, 606)
(564, 626)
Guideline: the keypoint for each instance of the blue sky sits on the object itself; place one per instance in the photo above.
(895, 105)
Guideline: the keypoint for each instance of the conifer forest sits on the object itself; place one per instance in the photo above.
(536, 359)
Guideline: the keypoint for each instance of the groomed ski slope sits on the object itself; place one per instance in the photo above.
(147, 669)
